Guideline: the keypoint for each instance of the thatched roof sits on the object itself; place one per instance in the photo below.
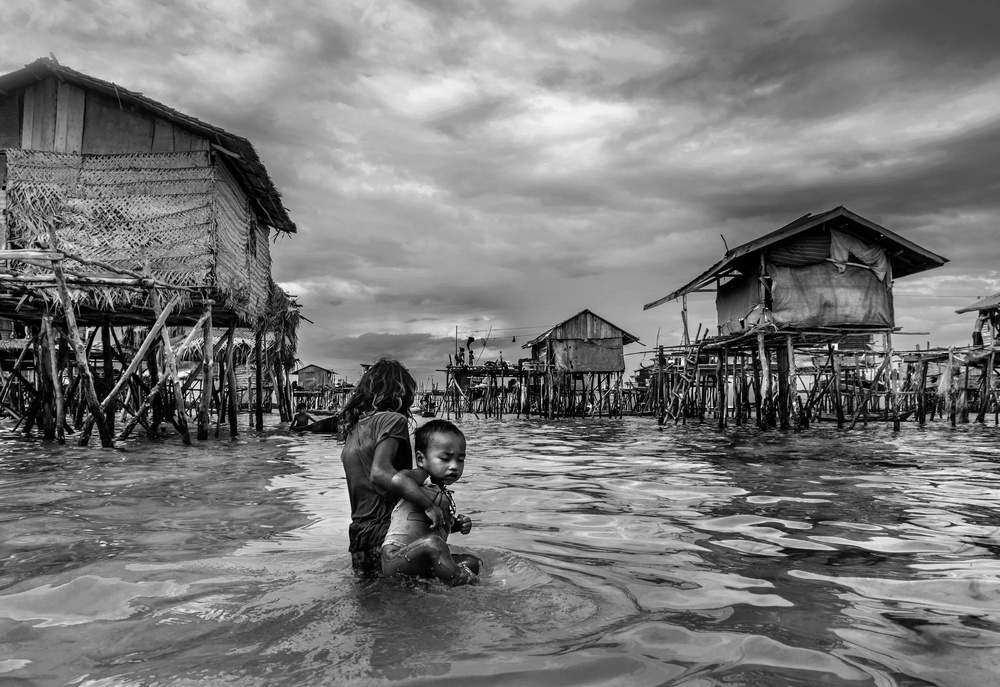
(239, 153)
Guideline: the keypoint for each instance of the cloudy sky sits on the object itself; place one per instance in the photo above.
(498, 166)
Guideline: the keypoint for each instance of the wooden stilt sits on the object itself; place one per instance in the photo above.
(56, 381)
(90, 393)
(259, 400)
(161, 383)
(180, 413)
(108, 373)
(208, 378)
(16, 371)
(765, 376)
(231, 371)
(871, 390)
(133, 366)
(784, 411)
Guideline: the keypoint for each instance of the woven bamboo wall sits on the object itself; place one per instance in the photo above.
(243, 259)
(119, 209)
(180, 212)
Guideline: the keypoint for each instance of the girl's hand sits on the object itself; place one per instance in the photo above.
(435, 515)
(463, 524)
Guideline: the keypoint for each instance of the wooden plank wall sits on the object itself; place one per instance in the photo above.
(60, 117)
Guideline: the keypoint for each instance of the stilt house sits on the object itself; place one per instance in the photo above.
(133, 185)
(824, 274)
(122, 211)
(585, 343)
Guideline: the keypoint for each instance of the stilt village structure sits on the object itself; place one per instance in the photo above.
(805, 331)
(135, 249)
(574, 369)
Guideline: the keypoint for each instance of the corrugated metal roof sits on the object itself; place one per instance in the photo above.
(626, 337)
(241, 156)
(987, 303)
(905, 256)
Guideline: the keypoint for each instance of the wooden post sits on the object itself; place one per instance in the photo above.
(154, 392)
(55, 376)
(886, 364)
(208, 369)
(765, 376)
(838, 400)
(784, 411)
(108, 371)
(921, 390)
(661, 405)
(231, 371)
(107, 439)
(721, 375)
(171, 364)
(259, 401)
(793, 394)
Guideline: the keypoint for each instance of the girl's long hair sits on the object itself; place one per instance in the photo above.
(387, 385)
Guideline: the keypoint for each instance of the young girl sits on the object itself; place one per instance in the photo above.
(376, 449)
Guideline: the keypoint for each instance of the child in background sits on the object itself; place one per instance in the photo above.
(413, 544)
(375, 422)
(302, 419)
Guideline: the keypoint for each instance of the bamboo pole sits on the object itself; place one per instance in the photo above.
(17, 365)
(90, 393)
(56, 383)
(871, 389)
(922, 390)
(765, 376)
(259, 400)
(231, 371)
(133, 366)
(208, 378)
(171, 365)
(154, 391)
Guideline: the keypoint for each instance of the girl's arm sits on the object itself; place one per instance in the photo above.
(400, 484)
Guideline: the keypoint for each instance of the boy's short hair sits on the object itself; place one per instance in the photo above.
(301, 406)
(425, 432)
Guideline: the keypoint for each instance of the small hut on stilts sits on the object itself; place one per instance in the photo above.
(792, 306)
(132, 234)
(575, 369)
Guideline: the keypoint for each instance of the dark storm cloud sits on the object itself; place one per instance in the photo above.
(496, 163)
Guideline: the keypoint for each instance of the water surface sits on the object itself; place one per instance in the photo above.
(617, 553)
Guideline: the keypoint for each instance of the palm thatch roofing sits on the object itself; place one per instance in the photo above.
(905, 256)
(240, 154)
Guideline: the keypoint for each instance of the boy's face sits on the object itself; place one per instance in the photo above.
(444, 459)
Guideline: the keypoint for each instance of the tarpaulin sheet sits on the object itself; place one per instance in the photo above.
(595, 355)
(735, 300)
(843, 246)
(819, 295)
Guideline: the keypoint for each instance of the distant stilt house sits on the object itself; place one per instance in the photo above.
(121, 219)
(816, 282)
(314, 386)
(574, 369)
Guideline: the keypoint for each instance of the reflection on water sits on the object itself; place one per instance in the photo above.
(617, 553)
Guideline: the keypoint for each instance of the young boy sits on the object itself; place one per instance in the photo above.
(302, 419)
(411, 547)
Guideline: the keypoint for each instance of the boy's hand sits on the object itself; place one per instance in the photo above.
(463, 524)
